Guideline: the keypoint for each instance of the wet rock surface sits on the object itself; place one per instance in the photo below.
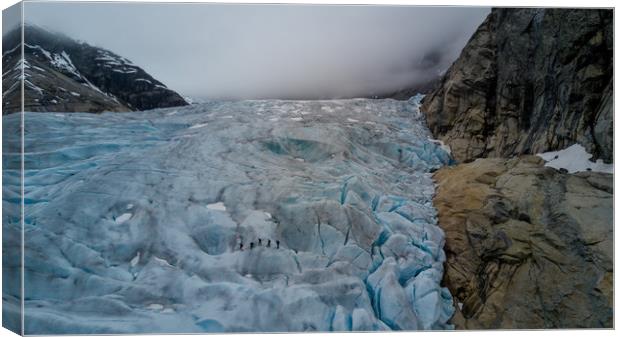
(529, 81)
(229, 216)
(527, 246)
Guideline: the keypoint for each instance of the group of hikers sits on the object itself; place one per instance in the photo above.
(260, 243)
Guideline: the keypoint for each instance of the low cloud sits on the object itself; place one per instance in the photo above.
(272, 51)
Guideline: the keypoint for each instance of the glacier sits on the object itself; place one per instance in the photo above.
(229, 216)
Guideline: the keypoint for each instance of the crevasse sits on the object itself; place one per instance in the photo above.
(143, 222)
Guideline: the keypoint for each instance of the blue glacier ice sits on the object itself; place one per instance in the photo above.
(262, 215)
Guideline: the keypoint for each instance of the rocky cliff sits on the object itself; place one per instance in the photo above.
(529, 81)
(527, 246)
(61, 74)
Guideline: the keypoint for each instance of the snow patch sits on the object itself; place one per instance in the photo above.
(124, 217)
(33, 86)
(155, 306)
(441, 145)
(134, 262)
(162, 262)
(574, 159)
(11, 50)
(218, 206)
(63, 62)
(125, 71)
(45, 52)
(196, 126)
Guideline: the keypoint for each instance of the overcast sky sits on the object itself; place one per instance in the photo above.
(271, 51)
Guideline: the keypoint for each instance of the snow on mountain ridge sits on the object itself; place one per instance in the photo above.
(104, 80)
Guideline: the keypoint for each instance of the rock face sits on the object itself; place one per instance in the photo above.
(526, 245)
(61, 74)
(529, 81)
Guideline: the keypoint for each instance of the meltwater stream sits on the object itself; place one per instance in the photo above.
(230, 216)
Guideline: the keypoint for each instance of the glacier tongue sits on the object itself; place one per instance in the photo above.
(232, 216)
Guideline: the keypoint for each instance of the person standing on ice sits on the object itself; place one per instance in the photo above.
(240, 241)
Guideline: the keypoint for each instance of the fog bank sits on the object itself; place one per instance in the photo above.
(272, 51)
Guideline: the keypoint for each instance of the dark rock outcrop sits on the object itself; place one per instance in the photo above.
(527, 246)
(529, 81)
(61, 74)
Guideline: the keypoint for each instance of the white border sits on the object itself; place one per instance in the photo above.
(482, 3)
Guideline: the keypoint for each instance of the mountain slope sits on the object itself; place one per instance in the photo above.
(62, 74)
(529, 81)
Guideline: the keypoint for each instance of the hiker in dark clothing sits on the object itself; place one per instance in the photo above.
(260, 242)
(277, 244)
(240, 245)
(251, 245)
(269, 243)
